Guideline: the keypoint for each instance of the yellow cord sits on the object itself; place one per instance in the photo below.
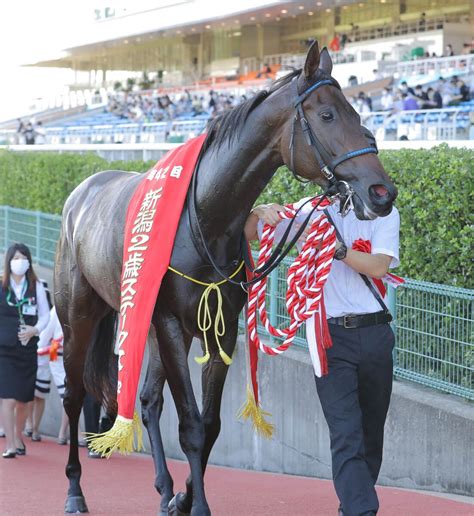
(204, 316)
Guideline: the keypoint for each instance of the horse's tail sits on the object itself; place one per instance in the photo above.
(100, 371)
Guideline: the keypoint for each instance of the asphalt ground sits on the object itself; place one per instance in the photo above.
(36, 485)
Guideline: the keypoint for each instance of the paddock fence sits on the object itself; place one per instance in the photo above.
(433, 323)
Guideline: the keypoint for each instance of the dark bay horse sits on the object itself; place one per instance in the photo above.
(242, 151)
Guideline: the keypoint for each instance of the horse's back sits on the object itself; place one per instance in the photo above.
(92, 229)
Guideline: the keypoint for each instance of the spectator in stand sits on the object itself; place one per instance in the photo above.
(449, 52)
(198, 108)
(264, 72)
(212, 102)
(376, 75)
(29, 134)
(344, 40)
(363, 104)
(397, 102)
(409, 102)
(460, 91)
(434, 100)
(335, 44)
(386, 100)
(404, 88)
(420, 96)
(422, 22)
(352, 80)
(366, 99)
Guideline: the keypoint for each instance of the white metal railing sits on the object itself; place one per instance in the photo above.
(155, 132)
(400, 29)
(147, 152)
(434, 67)
(426, 124)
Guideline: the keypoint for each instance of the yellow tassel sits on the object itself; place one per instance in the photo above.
(203, 359)
(225, 357)
(125, 436)
(250, 410)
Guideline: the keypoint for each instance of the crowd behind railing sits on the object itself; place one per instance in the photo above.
(138, 107)
(445, 93)
(135, 116)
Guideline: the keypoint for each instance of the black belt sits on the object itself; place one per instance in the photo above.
(361, 321)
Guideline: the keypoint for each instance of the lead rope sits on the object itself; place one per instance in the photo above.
(305, 281)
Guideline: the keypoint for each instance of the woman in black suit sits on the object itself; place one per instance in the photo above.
(24, 313)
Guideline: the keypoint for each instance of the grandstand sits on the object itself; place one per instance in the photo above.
(134, 58)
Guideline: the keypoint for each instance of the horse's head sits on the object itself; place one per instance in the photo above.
(326, 140)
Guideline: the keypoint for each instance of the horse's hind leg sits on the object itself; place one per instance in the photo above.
(79, 311)
(173, 346)
(152, 405)
(214, 374)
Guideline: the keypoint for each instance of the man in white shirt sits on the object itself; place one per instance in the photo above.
(355, 395)
(386, 101)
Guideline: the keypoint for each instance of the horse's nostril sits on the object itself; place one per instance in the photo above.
(379, 190)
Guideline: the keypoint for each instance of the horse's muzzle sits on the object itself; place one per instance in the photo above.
(382, 197)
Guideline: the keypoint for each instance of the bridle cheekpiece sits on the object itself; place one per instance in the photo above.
(327, 164)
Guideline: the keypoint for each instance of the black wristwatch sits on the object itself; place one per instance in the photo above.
(340, 253)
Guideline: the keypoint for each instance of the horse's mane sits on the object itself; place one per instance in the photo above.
(227, 126)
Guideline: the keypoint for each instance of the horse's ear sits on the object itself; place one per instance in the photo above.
(325, 61)
(312, 60)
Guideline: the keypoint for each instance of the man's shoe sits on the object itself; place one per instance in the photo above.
(36, 437)
(7, 454)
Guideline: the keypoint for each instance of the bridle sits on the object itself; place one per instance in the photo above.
(327, 165)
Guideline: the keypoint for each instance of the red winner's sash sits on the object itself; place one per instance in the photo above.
(152, 220)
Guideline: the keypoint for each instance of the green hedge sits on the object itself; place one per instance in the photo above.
(43, 180)
(435, 200)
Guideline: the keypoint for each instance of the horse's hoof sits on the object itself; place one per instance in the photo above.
(173, 509)
(75, 504)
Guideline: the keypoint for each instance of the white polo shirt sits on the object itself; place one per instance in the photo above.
(345, 292)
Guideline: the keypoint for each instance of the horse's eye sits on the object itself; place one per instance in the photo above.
(326, 116)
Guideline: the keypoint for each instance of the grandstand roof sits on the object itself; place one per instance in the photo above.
(142, 29)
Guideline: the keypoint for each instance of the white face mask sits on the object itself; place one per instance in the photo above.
(20, 266)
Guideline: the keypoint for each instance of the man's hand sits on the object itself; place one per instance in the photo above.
(269, 213)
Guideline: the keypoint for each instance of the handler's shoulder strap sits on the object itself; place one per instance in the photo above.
(366, 280)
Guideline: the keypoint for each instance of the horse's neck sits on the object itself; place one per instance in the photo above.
(234, 176)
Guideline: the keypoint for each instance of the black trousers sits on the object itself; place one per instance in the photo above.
(91, 410)
(355, 396)
(92, 421)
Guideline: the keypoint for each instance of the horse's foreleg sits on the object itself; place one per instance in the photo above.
(173, 345)
(152, 405)
(214, 374)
